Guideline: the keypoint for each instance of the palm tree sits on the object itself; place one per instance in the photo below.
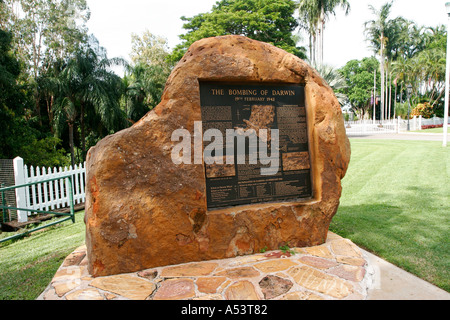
(87, 80)
(432, 73)
(313, 15)
(135, 95)
(308, 21)
(375, 31)
(144, 86)
(335, 80)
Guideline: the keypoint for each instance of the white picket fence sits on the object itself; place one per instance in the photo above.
(47, 196)
(370, 127)
(366, 127)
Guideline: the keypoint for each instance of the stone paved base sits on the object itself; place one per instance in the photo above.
(336, 270)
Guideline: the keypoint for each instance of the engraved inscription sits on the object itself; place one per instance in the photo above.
(260, 114)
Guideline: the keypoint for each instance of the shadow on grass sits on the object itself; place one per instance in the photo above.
(410, 230)
(365, 221)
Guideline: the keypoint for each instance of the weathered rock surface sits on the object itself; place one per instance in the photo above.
(143, 211)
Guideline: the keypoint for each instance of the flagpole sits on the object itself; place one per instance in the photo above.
(447, 74)
(374, 94)
(395, 96)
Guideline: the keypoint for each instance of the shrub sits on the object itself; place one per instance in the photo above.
(423, 109)
(432, 126)
(401, 110)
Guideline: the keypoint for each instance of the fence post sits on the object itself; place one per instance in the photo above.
(19, 178)
(398, 124)
(420, 122)
(71, 199)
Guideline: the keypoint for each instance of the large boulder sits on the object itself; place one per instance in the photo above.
(144, 211)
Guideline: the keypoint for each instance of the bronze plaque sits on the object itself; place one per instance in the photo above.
(255, 143)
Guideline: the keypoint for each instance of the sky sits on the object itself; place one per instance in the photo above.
(113, 21)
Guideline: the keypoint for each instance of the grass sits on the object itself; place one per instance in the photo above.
(395, 203)
(28, 265)
(432, 130)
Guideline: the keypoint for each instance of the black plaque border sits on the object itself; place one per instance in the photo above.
(289, 199)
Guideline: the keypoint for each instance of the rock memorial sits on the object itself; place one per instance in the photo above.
(246, 151)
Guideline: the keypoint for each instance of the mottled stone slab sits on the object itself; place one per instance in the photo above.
(300, 295)
(319, 251)
(61, 288)
(317, 262)
(71, 273)
(352, 273)
(85, 294)
(242, 272)
(275, 265)
(189, 270)
(209, 284)
(273, 286)
(241, 290)
(345, 247)
(175, 289)
(128, 286)
(316, 280)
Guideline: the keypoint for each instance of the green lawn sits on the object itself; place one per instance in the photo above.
(396, 204)
(28, 265)
(432, 130)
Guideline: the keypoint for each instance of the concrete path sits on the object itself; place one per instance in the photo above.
(403, 136)
(393, 283)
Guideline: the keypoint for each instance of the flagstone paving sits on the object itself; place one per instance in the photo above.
(336, 270)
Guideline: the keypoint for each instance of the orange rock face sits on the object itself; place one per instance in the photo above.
(144, 211)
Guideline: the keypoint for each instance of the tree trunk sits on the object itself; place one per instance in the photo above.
(37, 106)
(390, 96)
(321, 29)
(374, 95)
(401, 93)
(395, 100)
(83, 134)
(314, 50)
(386, 92)
(49, 101)
(72, 151)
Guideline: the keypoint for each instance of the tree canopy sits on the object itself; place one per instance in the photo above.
(271, 21)
(20, 134)
(146, 77)
(359, 76)
(312, 16)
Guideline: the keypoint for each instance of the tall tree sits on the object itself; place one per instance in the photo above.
(359, 75)
(144, 86)
(87, 81)
(18, 135)
(421, 63)
(270, 21)
(44, 30)
(149, 49)
(335, 80)
(146, 78)
(12, 99)
(375, 31)
(313, 15)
